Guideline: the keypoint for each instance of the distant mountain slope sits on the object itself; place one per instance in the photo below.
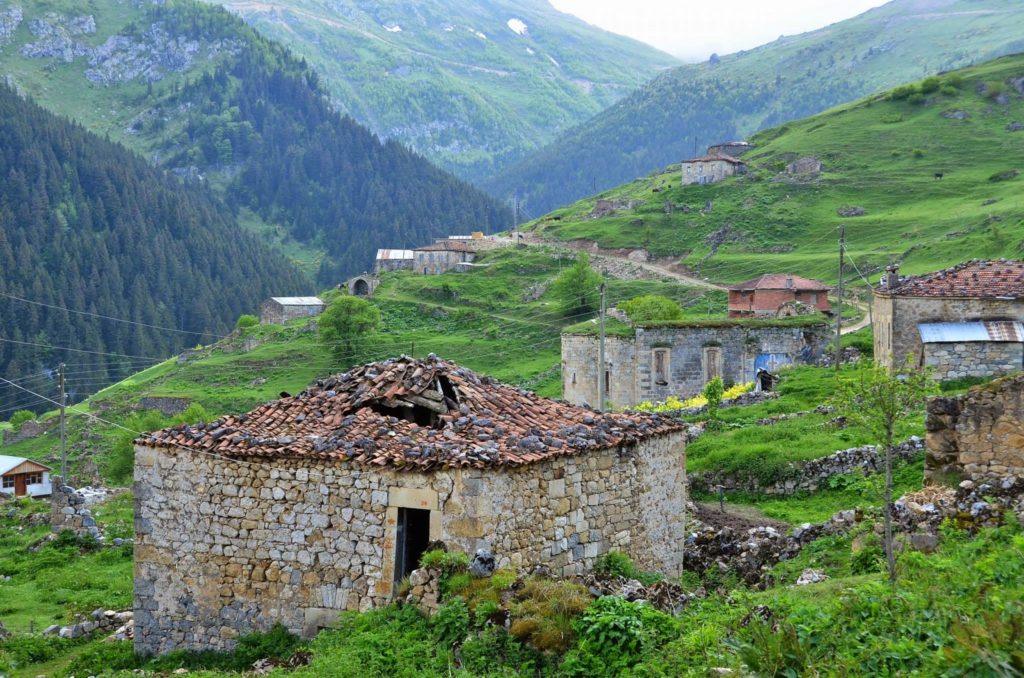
(927, 176)
(195, 89)
(696, 105)
(471, 84)
(86, 225)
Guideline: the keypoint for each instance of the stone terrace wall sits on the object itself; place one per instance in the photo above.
(811, 475)
(226, 547)
(978, 435)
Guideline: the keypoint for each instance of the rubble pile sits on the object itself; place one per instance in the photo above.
(100, 620)
(971, 505)
(663, 594)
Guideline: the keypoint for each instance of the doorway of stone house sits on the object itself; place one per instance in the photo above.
(411, 538)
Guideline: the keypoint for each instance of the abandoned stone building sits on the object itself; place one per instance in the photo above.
(978, 435)
(777, 295)
(656, 362)
(962, 321)
(708, 169)
(322, 502)
(442, 256)
(277, 310)
(393, 260)
(362, 285)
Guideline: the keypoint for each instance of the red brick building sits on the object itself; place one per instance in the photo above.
(774, 295)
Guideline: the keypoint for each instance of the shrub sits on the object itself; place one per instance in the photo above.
(892, 118)
(104, 657)
(932, 84)
(947, 90)
(768, 651)
(451, 622)
(994, 88)
(918, 153)
(544, 611)
(453, 566)
(614, 635)
(713, 391)
(20, 417)
(651, 308)
(616, 564)
(916, 99)
(246, 321)
(955, 81)
(902, 92)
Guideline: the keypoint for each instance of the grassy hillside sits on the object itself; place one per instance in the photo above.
(732, 97)
(498, 319)
(470, 85)
(880, 154)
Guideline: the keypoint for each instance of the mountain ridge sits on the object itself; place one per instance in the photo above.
(735, 95)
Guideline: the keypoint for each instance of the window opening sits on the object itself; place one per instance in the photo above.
(661, 367)
(411, 538)
(8, 482)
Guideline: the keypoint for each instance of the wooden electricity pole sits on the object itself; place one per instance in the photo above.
(63, 438)
(839, 300)
(600, 358)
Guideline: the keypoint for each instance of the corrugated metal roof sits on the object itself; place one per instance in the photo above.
(8, 463)
(298, 301)
(394, 254)
(990, 330)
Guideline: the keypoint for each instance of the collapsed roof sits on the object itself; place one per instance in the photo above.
(415, 414)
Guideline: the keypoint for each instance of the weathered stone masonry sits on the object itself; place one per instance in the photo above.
(978, 435)
(226, 547)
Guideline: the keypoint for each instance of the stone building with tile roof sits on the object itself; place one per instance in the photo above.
(709, 169)
(323, 501)
(775, 295)
(962, 321)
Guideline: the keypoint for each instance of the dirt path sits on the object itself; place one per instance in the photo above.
(736, 516)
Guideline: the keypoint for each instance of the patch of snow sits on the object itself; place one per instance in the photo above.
(530, 51)
(448, 28)
(476, 33)
(552, 60)
(517, 26)
(392, 28)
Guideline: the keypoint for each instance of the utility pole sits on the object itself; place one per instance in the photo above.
(600, 359)
(63, 438)
(839, 301)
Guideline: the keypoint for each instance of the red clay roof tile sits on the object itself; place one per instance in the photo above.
(364, 416)
(976, 278)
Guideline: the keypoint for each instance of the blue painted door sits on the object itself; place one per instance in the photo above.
(771, 362)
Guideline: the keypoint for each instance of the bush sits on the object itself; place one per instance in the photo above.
(916, 99)
(246, 321)
(932, 84)
(954, 81)
(892, 118)
(544, 611)
(104, 657)
(614, 636)
(994, 88)
(451, 622)
(651, 308)
(713, 391)
(20, 417)
(949, 91)
(616, 564)
(902, 92)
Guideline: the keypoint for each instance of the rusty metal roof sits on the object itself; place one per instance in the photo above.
(459, 419)
(780, 281)
(298, 301)
(394, 255)
(988, 330)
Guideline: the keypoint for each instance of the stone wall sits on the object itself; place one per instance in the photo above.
(810, 476)
(689, 363)
(895, 320)
(29, 429)
(978, 435)
(227, 547)
(68, 511)
(951, 360)
(274, 313)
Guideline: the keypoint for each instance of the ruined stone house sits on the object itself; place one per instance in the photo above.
(278, 310)
(393, 260)
(776, 295)
(678, 359)
(733, 149)
(978, 435)
(322, 502)
(442, 256)
(962, 321)
(708, 169)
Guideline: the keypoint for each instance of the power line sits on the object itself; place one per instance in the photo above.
(104, 317)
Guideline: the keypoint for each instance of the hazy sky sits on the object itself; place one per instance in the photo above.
(693, 29)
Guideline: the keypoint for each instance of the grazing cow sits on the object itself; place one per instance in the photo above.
(939, 175)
